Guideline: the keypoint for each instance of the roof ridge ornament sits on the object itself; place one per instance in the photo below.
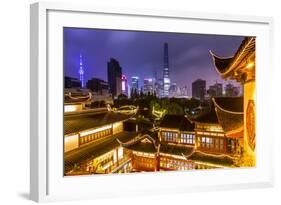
(208, 154)
(136, 140)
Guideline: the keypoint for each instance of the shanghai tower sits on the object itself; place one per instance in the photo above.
(166, 73)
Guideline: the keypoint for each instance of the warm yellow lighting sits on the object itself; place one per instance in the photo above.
(143, 154)
(120, 153)
(117, 127)
(250, 65)
(70, 142)
(95, 130)
(70, 108)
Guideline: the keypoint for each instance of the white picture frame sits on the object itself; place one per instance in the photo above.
(46, 178)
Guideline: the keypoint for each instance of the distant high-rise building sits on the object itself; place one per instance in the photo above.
(215, 90)
(81, 72)
(135, 83)
(70, 82)
(124, 85)
(166, 72)
(98, 86)
(173, 90)
(114, 74)
(158, 87)
(199, 89)
(148, 86)
(184, 91)
(155, 75)
(231, 90)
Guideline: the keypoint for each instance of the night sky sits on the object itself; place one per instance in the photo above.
(141, 54)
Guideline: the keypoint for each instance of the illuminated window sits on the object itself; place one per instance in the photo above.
(213, 143)
(94, 136)
(187, 138)
(169, 136)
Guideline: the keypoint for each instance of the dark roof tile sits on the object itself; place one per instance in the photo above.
(209, 117)
(230, 113)
(177, 122)
(80, 122)
(175, 149)
(233, 104)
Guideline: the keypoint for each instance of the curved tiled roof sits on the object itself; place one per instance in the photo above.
(136, 144)
(93, 150)
(80, 122)
(67, 99)
(231, 104)
(230, 113)
(221, 63)
(137, 139)
(76, 98)
(143, 147)
(179, 122)
(220, 160)
(209, 117)
(225, 65)
(176, 149)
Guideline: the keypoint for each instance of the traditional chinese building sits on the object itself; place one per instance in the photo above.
(143, 151)
(90, 142)
(147, 154)
(210, 135)
(174, 148)
(230, 115)
(241, 67)
(76, 99)
(176, 129)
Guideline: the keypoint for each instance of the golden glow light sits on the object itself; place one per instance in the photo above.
(70, 108)
(95, 130)
(70, 142)
(120, 152)
(117, 127)
(250, 65)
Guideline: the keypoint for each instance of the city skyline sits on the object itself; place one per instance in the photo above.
(188, 61)
(160, 128)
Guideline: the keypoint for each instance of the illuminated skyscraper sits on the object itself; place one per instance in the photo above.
(124, 85)
(159, 85)
(135, 83)
(166, 73)
(81, 72)
(148, 86)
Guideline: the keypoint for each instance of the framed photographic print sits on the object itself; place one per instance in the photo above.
(129, 102)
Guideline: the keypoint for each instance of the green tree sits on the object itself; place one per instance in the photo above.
(175, 109)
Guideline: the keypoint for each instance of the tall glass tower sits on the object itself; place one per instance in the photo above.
(81, 72)
(166, 73)
(114, 75)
